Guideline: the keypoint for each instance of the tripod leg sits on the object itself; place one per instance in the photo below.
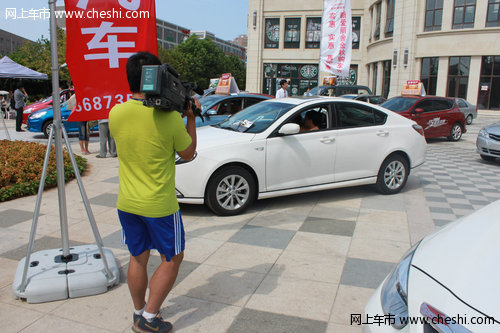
(86, 202)
(5, 128)
(37, 211)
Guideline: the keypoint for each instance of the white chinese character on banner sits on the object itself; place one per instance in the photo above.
(44, 13)
(112, 44)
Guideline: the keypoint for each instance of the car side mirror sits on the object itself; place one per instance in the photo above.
(289, 129)
(419, 110)
(211, 112)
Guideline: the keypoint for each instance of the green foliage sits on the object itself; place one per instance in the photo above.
(199, 60)
(22, 164)
(37, 56)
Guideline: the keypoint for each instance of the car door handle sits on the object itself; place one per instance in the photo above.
(327, 139)
(382, 133)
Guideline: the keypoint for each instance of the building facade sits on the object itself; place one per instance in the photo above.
(452, 46)
(10, 42)
(226, 46)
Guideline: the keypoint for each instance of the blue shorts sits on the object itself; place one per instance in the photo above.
(83, 135)
(165, 234)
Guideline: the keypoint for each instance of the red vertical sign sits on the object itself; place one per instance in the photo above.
(101, 36)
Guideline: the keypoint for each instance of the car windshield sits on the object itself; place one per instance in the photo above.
(399, 104)
(256, 118)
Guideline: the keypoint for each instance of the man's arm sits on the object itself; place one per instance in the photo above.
(188, 153)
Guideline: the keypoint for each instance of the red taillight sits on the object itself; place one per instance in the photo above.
(419, 129)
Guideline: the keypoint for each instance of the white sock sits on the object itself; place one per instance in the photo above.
(141, 311)
(149, 316)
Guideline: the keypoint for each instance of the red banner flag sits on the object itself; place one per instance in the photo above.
(101, 36)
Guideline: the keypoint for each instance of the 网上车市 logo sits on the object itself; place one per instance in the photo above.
(435, 122)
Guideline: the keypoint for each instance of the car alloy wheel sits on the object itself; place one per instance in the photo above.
(230, 191)
(46, 128)
(393, 174)
(468, 120)
(455, 133)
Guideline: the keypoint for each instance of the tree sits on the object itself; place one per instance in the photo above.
(37, 56)
(199, 60)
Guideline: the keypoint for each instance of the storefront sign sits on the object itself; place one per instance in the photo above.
(336, 41)
(100, 39)
(413, 87)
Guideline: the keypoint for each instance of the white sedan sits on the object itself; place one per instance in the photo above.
(270, 149)
(446, 283)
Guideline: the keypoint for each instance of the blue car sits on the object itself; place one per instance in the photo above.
(41, 121)
(216, 108)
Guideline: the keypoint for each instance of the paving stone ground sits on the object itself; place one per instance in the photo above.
(301, 263)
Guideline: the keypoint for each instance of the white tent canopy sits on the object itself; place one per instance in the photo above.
(11, 69)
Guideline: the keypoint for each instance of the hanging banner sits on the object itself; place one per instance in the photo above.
(336, 37)
(101, 36)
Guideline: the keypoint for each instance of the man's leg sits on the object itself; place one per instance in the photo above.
(162, 281)
(19, 119)
(138, 279)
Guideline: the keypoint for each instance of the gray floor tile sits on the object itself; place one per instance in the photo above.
(327, 226)
(365, 273)
(441, 210)
(10, 217)
(383, 203)
(112, 180)
(258, 321)
(114, 240)
(105, 199)
(44, 243)
(266, 237)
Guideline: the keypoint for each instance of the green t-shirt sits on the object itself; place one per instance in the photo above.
(146, 142)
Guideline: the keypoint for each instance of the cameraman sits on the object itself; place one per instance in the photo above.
(146, 142)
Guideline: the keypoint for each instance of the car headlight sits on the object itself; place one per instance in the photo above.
(484, 133)
(394, 295)
(38, 115)
(179, 160)
(28, 110)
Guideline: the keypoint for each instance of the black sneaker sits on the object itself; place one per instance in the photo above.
(157, 325)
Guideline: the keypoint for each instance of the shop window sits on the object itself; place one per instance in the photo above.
(272, 33)
(292, 33)
(463, 14)
(433, 15)
(493, 17)
(429, 73)
(376, 33)
(389, 22)
(489, 85)
(458, 77)
(386, 79)
(313, 32)
(356, 31)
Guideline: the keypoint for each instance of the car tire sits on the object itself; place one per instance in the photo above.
(46, 128)
(488, 158)
(468, 120)
(455, 132)
(230, 191)
(393, 174)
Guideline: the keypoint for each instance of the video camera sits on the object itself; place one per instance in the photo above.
(165, 91)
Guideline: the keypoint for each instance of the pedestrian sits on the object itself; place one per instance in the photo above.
(147, 141)
(83, 132)
(282, 92)
(20, 97)
(106, 141)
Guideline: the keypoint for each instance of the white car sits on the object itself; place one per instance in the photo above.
(446, 283)
(264, 151)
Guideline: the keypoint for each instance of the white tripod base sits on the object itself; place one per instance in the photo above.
(50, 279)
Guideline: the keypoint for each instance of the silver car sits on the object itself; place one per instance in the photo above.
(488, 142)
(469, 110)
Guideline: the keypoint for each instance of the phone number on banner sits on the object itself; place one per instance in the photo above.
(101, 102)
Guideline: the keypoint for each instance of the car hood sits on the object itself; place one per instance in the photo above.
(463, 256)
(209, 137)
(494, 128)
